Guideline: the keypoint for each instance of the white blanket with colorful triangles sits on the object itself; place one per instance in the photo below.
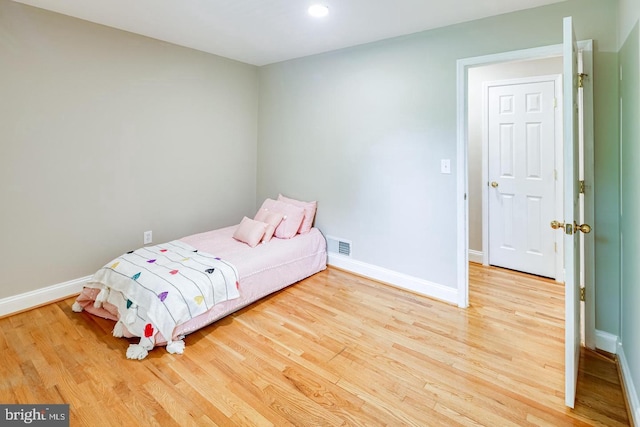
(157, 288)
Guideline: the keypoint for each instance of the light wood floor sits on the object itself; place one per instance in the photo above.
(335, 349)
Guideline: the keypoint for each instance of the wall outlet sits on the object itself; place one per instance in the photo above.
(148, 237)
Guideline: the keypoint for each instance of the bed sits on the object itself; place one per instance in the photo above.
(163, 292)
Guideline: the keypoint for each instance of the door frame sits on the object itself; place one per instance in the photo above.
(558, 161)
(462, 185)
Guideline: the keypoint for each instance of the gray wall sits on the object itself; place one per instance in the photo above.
(105, 134)
(363, 130)
(630, 197)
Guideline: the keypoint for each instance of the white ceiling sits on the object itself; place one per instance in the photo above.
(261, 32)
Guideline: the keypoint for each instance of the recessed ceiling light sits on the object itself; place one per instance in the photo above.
(318, 10)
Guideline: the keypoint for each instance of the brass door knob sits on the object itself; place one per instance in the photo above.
(555, 225)
(585, 228)
(494, 184)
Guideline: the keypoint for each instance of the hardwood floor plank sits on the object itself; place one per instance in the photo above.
(335, 349)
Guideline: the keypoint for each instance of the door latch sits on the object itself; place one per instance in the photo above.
(567, 228)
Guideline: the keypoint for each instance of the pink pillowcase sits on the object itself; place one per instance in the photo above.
(250, 231)
(309, 212)
(272, 219)
(292, 217)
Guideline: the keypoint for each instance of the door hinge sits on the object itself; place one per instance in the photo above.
(581, 187)
(555, 247)
(582, 294)
(581, 77)
(555, 102)
(555, 174)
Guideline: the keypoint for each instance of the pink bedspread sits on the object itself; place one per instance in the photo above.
(263, 270)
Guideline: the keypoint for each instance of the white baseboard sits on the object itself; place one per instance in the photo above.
(629, 387)
(476, 256)
(394, 278)
(41, 296)
(606, 341)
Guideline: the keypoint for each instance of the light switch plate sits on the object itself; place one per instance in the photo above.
(445, 166)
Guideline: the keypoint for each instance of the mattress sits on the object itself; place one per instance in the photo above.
(263, 270)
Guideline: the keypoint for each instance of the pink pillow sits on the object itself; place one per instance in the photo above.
(272, 219)
(292, 217)
(250, 231)
(309, 212)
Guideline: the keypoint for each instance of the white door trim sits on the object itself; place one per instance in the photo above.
(462, 205)
(558, 160)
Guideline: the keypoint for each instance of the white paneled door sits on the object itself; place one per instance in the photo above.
(570, 225)
(521, 133)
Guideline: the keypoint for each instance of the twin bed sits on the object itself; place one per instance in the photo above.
(162, 293)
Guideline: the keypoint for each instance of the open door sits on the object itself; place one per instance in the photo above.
(571, 226)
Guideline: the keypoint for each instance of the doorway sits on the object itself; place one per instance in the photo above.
(514, 190)
(469, 226)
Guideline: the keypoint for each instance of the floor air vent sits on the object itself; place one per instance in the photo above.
(339, 246)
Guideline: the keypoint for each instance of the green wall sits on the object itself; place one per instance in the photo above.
(607, 197)
(363, 131)
(630, 209)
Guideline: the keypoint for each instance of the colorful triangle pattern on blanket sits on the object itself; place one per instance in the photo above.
(148, 330)
(174, 270)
